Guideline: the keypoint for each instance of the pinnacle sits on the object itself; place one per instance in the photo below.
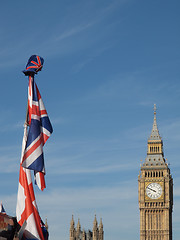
(155, 132)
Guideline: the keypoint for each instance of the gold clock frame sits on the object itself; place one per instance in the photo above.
(159, 181)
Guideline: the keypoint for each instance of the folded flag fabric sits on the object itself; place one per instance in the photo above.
(26, 209)
(40, 130)
(34, 65)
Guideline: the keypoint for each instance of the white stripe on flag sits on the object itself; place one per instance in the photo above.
(20, 202)
(45, 131)
(35, 103)
(36, 117)
(31, 145)
(41, 105)
(34, 155)
(31, 228)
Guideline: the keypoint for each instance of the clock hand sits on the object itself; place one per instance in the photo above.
(151, 189)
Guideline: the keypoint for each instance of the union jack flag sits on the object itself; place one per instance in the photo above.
(32, 156)
(40, 130)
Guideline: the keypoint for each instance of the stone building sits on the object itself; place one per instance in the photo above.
(76, 233)
(155, 191)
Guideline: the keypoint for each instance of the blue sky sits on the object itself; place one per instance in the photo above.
(106, 64)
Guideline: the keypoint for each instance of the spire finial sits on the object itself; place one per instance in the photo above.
(155, 110)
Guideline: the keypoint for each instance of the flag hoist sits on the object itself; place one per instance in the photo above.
(37, 129)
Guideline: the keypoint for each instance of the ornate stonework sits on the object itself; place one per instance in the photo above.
(77, 234)
(155, 191)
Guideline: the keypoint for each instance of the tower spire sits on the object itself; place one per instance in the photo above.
(155, 133)
(95, 229)
(72, 230)
(155, 155)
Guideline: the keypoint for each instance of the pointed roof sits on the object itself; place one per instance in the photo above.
(78, 225)
(72, 222)
(2, 210)
(155, 133)
(101, 224)
(155, 158)
(95, 223)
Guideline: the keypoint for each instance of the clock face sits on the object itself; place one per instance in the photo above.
(154, 190)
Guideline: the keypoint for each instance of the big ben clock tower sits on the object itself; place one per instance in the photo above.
(155, 191)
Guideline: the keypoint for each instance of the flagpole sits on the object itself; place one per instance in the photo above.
(27, 109)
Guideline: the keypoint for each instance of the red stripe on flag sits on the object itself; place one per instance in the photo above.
(33, 148)
(45, 138)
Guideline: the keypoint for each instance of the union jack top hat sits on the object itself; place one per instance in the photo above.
(34, 65)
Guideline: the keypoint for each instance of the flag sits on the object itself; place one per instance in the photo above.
(37, 130)
(26, 210)
(40, 130)
(2, 210)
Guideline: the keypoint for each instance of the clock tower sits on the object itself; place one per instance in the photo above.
(155, 191)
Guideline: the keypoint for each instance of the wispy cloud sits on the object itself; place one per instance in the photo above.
(91, 56)
(9, 163)
(62, 40)
(83, 202)
(71, 32)
(91, 169)
(11, 127)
